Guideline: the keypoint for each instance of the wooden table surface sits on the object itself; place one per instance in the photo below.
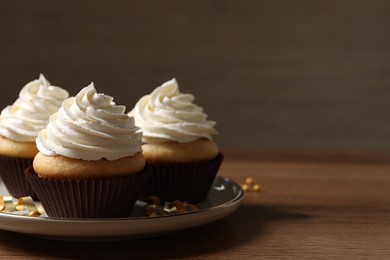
(312, 206)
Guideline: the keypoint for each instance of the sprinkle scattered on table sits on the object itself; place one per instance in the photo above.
(251, 185)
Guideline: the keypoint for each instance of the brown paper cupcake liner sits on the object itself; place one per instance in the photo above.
(190, 182)
(88, 198)
(12, 173)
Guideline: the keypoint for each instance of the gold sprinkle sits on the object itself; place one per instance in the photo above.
(34, 214)
(192, 207)
(2, 204)
(257, 187)
(249, 181)
(246, 187)
(19, 205)
(181, 206)
(153, 214)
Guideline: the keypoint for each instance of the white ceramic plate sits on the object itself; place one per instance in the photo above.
(224, 198)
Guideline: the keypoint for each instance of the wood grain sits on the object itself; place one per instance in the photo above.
(274, 74)
(318, 207)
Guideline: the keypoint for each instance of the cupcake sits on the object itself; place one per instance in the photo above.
(20, 124)
(90, 162)
(178, 146)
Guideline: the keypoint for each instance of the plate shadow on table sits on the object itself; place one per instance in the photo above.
(249, 222)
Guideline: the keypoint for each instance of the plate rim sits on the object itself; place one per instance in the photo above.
(236, 201)
(81, 220)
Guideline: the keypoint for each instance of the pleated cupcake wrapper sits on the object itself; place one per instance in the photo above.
(190, 182)
(88, 198)
(12, 173)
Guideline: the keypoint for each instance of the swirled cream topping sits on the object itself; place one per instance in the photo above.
(90, 126)
(168, 114)
(30, 113)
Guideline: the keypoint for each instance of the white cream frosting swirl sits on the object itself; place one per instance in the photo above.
(30, 113)
(90, 126)
(168, 114)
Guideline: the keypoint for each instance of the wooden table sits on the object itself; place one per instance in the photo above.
(312, 206)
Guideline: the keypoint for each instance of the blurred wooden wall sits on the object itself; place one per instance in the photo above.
(299, 75)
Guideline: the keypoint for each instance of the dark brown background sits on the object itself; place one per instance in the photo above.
(305, 75)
